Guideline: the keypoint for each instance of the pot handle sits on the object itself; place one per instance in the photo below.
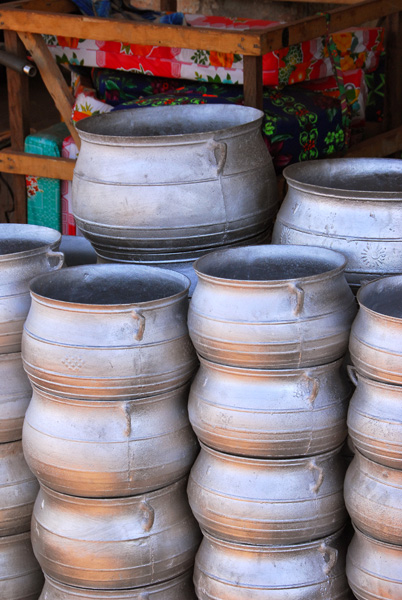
(314, 467)
(298, 290)
(330, 556)
(351, 369)
(140, 319)
(220, 151)
(148, 515)
(314, 390)
(55, 257)
(126, 407)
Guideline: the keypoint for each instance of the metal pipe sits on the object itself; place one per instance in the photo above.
(18, 64)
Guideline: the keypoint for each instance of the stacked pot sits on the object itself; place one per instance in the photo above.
(107, 351)
(373, 484)
(269, 403)
(175, 182)
(25, 250)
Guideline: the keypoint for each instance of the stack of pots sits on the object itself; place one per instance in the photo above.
(269, 404)
(352, 205)
(162, 186)
(25, 250)
(107, 351)
(373, 484)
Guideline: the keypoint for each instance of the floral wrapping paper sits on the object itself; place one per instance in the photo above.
(358, 49)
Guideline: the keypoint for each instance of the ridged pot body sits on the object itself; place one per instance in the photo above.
(313, 571)
(25, 251)
(331, 203)
(373, 568)
(102, 449)
(270, 413)
(376, 336)
(177, 178)
(271, 307)
(179, 588)
(259, 501)
(15, 393)
(375, 421)
(115, 543)
(18, 490)
(21, 577)
(108, 332)
(373, 497)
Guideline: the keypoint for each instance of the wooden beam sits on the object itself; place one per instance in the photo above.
(381, 145)
(43, 5)
(18, 110)
(52, 78)
(309, 28)
(252, 85)
(22, 163)
(131, 32)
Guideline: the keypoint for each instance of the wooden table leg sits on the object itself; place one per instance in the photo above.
(393, 74)
(18, 108)
(252, 85)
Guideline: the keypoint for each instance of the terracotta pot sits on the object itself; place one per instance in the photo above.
(15, 394)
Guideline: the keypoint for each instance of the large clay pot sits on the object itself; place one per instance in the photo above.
(259, 501)
(313, 571)
(173, 178)
(353, 205)
(376, 335)
(271, 307)
(15, 393)
(21, 577)
(270, 413)
(115, 543)
(25, 251)
(375, 420)
(99, 449)
(373, 568)
(18, 490)
(108, 332)
(179, 588)
(373, 497)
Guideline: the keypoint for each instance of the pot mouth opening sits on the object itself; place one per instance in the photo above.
(350, 176)
(108, 285)
(16, 246)
(168, 121)
(18, 239)
(383, 296)
(271, 264)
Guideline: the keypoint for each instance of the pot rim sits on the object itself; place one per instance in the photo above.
(291, 172)
(159, 113)
(277, 548)
(37, 231)
(136, 270)
(266, 250)
(368, 288)
(18, 537)
(266, 463)
(374, 541)
(266, 373)
(368, 381)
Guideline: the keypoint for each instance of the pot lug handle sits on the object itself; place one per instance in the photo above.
(314, 467)
(220, 151)
(148, 515)
(351, 369)
(314, 390)
(330, 556)
(126, 407)
(140, 319)
(55, 259)
(298, 290)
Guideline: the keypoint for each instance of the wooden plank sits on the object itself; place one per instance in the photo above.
(393, 74)
(316, 25)
(18, 110)
(52, 78)
(381, 145)
(131, 32)
(59, 6)
(252, 81)
(22, 163)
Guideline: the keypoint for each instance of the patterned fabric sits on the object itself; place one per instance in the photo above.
(358, 48)
(375, 90)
